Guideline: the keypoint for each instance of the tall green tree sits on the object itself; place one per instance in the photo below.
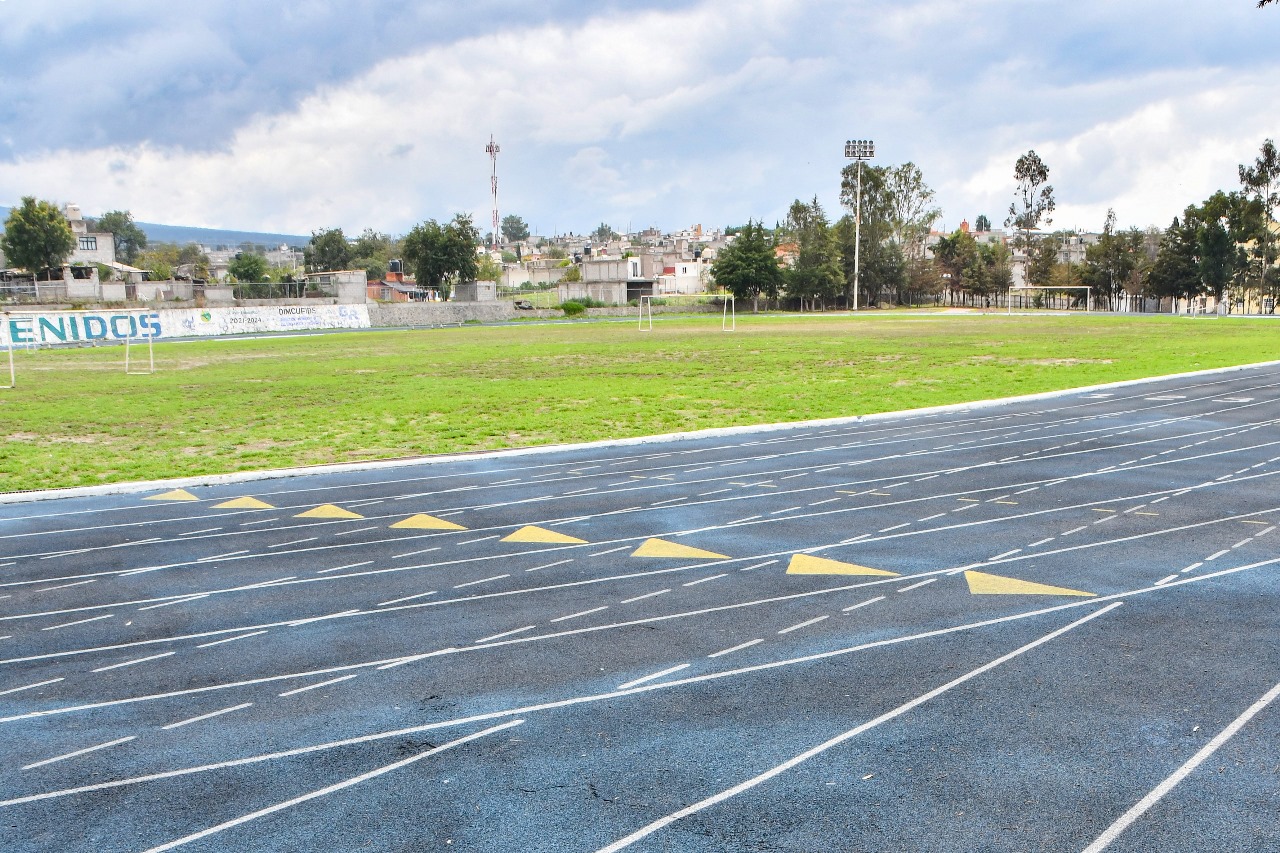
(1262, 179)
(129, 239)
(1176, 270)
(603, 233)
(441, 256)
(982, 224)
(37, 237)
(371, 253)
(1113, 262)
(1033, 204)
(248, 267)
(816, 274)
(748, 267)
(514, 229)
(327, 250)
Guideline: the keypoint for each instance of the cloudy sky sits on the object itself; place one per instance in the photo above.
(301, 114)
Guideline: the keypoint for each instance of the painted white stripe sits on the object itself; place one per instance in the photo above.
(642, 597)
(1042, 542)
(207, 716)
(1005, 554)
(917, 585)
(231, 639)
(601, 553)
(77, 622)
(78, 752)
(415, 553)
(349, 566)
(863, 603)
(185, 600)
(748, 644)
(356, 530)
(1216, 555)
(407, 598)
(506, 634)
(65, 585)
(758, 566)
(656, 825)
(294, 542)
(1128, 818)
(580, 613)
(132, 662)
(1165, 580)
(805, 624)
(29, 686)
(556, 563)
(297, 690)
(653, 677)
(364, 777)
(704, 580)
(482, 580)
(296, 622)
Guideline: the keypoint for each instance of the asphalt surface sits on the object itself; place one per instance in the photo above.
(1049, 625)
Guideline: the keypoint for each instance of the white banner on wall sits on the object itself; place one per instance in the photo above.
(57, 327)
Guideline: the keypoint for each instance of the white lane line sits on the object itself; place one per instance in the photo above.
(482, 580)
(416, 553)
(231, 639)
(200, 560)
(481, 539)
(610, 551)
(656, 675)
(932, 517)
(704, 580)
(580, 613)
(294, 542)
(804, 624)
(345, 613)
(748, 518)
(758, 566)
(29, 686)
(77, 622)
(507, 633)
(65, 585)
(185, 600)
(1165, 580)
(207, 716)
(556, 563)
(318, 686)
(917, 585)
(84, 751)
(788, 509)
(656, 825)
(863, 603)
(1074, 530)
(748, 644)
(827, 501)
(132, 662)
(198, 532)
(1242, 542)
(581, 491)
(1042, 542)
(1264, 532)
(646, 595)
(259, 521)
(1128, 818)
(407, 598)
(670, 500)
(716, 492)
(347, 783)
(350, 566)
(1216, 555)
(1191, 567)
(1005, 554)
(894, 527)
(356, 530)
(1024, 491)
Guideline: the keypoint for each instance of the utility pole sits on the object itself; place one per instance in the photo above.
(858, 149)
(492, 150)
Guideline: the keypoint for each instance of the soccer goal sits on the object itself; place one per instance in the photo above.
(646, 310)
(13, 376)
(1088, 293)
(729, 317)
(131, 366)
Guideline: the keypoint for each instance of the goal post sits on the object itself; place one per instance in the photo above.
(646, 309)
(1088, 293)
(13, 375)
(729, 317)
(129, 366)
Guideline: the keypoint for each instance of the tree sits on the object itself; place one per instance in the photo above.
(1175, 272)
(327, 250)
(1043, 261)
(816, 275)
(1263, 180)
(128, 237)
(603, 233)
(248, 267)
(982, 224)
(897, 214)
(1114, 260)
(514, 229)
(908, 207)
(1033, 201)
(748, 267)
(443, 255)
(37, 237)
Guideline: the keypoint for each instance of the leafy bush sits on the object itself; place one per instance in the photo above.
(572, 308)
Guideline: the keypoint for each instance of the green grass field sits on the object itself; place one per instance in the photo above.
(77, 419)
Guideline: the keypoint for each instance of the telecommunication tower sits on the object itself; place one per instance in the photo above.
(492, 149)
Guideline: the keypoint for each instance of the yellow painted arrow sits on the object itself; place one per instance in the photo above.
(541, 534)
(981, 583)
(328, 511)
(175, 495)
(804, 564)
(663, 548)
(244, 503)
(426, 522)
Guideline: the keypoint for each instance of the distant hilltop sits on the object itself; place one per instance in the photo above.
(210, 237)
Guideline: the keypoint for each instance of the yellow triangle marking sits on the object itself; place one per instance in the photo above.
(530, 533)
(803, 564)
(663, 548)
(426, 522)
(981, 583)
(244, 503)
(175, 495)
(328, 511)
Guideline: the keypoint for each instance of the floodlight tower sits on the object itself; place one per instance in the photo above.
(492, 150)
(856, 149)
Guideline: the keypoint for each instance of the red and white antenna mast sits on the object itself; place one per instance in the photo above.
(492, 150)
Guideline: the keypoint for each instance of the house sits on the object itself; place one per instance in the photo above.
(613, 281)
(92, 247)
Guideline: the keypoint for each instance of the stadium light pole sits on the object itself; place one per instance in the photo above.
(858, 149)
